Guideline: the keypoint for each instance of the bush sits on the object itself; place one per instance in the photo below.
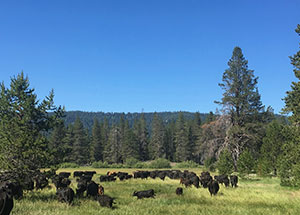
(187, 164)
(100, 164)
(131, 162)
(209, 164)
(68, 165)
(160, 164)
(246, 162)
(141, 165)
(225, 163)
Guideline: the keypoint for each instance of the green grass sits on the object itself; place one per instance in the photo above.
(253, 196)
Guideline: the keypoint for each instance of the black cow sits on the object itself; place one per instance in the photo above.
(78, 173)
(186, 182)
(61, 182)
(90, 173)
(41, 182)
(213, 187)
(104, 178)
(144, 194)
(6, 201)
(65, 194)
(92, 189)
(105, 201)
(13, 188)
(205, 179)
(222, 179)
(233, 180)
(179, 191)
(64, 174)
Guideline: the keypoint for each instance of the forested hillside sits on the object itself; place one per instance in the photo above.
(87, 118)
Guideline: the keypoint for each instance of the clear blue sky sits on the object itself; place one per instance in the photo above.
(151, 55)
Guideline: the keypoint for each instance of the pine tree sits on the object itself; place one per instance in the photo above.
(69, 141)
(290, 162)
(246, 162)
(181, 140)
(271, 148)
(130, 147)
(57, 142)
(156, 146)
(24, 123)
(292, 99)
(170, 141)
(240, 99)
(105, 130)
(80, 150)
(225, 163)
(141, 132)
(97, 145)
(113, 150)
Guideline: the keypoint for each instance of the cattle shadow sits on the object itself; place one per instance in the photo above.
(44, 197)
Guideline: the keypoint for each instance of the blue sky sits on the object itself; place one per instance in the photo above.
(154, 55)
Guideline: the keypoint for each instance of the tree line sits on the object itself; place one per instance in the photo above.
(244, 136)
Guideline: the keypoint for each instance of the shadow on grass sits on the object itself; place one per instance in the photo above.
(37, 196)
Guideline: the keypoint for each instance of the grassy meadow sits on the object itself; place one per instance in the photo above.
(253, 196)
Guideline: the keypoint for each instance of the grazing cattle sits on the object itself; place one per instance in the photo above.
(100, 190)
(213, 187)
(6, 201)
(144, 194)
(179, 191)
(65, 194)
(141, 174)
(78, 173)
(113, 173)
(186, 182)
(195, 181)
(105, 201)
(41, 182)
(61, 182)
(161, 175)
(205, 179)
(122, 175)
(222, 179)
(233, 180)
(64, 174)
(81, 187)
(13, 188)
(104, 178)
(92, 189)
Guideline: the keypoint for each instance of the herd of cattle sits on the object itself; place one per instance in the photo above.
(11, 189)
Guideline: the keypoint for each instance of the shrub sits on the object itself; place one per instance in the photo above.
(68, 165)
(131, 162)
(187, 164)
(225, 163)
(245, 162)
(160, 163)
(142, 165)
(100, 164)
(209, 164)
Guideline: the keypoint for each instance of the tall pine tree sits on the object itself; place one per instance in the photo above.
(24, 123)
(96, 144)
(183, 150)
(157, 142)
(241, 101)
(80, 150)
